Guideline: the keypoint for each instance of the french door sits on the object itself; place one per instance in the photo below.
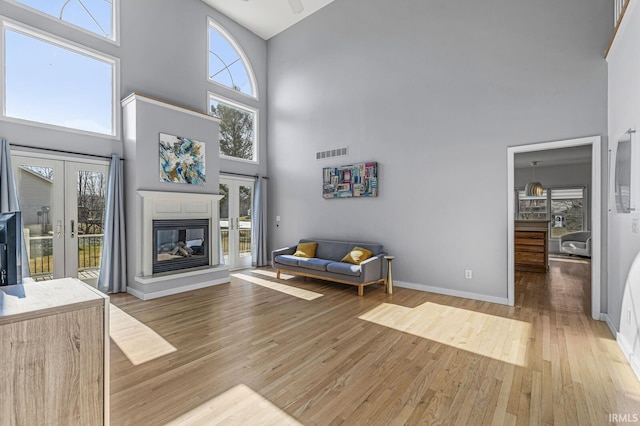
(235, 221)
(62, 204)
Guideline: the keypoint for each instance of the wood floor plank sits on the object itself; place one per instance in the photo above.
(251, 352)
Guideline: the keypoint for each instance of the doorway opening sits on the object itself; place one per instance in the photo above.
(594, 143)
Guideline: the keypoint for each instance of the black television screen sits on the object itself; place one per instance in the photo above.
(10, 245)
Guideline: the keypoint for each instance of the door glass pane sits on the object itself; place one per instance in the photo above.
(224, 220)
(35, 191)
(244, 225)
(90, 227)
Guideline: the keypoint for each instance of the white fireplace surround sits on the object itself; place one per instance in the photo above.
(176, 205)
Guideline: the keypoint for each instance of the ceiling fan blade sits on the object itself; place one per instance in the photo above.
(296, 6)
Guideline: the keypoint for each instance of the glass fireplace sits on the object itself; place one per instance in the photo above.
(180, 244)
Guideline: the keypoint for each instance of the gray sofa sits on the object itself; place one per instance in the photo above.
(327, 264)
(576, 243)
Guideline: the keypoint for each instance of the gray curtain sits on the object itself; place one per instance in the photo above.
(259, 255)
(113, 267)
(9, 199)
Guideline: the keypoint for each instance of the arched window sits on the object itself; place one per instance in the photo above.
(96, 16)
(228, 64)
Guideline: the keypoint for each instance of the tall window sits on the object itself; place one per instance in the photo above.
(57, 83)
(564, 207)
(567, 211)
(238, 125)
(228, 65)
(96, 16)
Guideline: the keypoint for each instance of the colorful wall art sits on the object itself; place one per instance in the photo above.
(181, 160)
(353, 180)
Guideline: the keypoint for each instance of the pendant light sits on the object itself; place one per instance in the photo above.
(534, 188)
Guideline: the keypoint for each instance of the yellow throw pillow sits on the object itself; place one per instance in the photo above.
(357, 255)
(307, 250)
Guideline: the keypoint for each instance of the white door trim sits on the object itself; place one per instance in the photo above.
(596, 211)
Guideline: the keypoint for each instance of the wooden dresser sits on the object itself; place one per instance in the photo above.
(531, 248)
(53, 354)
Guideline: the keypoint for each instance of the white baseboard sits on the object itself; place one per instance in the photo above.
(156, 294)
(626, 348)
(633, 359)
(612, 328)
(450, 292)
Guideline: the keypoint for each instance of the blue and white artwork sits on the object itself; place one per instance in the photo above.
(181, 160)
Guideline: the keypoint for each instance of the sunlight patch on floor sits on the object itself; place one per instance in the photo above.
(240, 405)
(282, 288)
(492, 336)
(137, 341)
(271, 274)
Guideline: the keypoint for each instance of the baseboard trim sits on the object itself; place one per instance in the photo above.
(156, 294)
(626, 349)
(612, 328)
(450, 292)
(633, 359)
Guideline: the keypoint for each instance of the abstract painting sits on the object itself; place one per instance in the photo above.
(353, 180)
(181, 160)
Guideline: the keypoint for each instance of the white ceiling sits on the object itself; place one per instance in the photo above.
(265, 18)
(554, 157)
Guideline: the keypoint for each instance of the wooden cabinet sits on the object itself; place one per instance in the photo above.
(531, 245)
(53, 354)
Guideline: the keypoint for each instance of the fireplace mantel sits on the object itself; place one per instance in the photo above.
(177, 205)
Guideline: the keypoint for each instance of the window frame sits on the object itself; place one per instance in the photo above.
(256, 152)
(586, 215)
(211, 23)
(45, 37)
(115, 21)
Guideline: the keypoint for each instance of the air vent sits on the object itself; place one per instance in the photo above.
(338, 152)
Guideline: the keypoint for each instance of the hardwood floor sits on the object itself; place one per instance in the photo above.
(250, 354)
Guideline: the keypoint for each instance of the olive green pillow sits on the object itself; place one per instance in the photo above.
(307, 250)
(357, 255)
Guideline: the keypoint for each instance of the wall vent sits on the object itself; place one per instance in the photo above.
(330, 153)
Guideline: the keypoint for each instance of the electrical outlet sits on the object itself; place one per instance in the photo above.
(468, 274)
(635, 226)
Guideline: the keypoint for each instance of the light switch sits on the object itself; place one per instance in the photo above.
(277, 218)
(635, 226)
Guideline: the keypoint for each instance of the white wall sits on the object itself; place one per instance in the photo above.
(435, 92)
(624, 113)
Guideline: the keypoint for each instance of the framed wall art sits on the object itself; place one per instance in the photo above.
(353, 180)
(182, 160)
